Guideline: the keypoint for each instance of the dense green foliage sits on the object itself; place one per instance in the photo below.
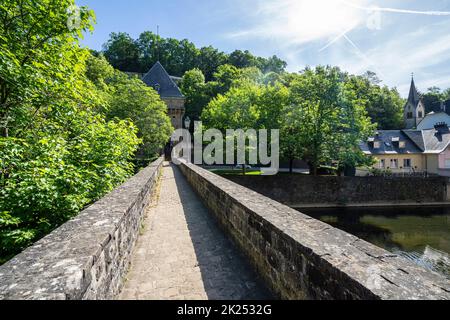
(328, 118)
(199, 93)
(384, 105)
(321, 118)
(129, 98)
(64, 139)
(138, 55)
(433, 97)
(209, 72)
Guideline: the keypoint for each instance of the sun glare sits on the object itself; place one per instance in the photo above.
(306, 20)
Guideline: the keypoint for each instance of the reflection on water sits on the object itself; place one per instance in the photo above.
(420, 234)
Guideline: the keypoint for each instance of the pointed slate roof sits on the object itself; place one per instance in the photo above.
(414, 96)
(158, 78)
(386, 137)
(416, 136)
(430, 141)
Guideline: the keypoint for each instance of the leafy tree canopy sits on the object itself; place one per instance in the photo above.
(433, 97)
(321, 118)
(60, 149)
(384, 105)
(129, 98)
(178, 56)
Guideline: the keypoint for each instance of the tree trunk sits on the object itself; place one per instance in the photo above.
(4, 132)
(312, 169)
(291, 166)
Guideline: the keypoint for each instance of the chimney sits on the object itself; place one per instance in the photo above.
(441, 127)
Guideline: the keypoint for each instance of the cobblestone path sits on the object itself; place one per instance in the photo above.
(182, 253)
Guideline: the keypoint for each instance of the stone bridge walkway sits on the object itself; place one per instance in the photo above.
(182, 254)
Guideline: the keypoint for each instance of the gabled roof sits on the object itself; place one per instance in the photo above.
(388, 145)
(430, 141)
(414, 96)
(436, 141)
(432, 118)
(158, 78)
(416, 137)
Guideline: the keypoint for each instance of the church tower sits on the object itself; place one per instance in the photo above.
(414, 109)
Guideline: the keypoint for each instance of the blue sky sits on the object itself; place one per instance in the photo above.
(393, 38)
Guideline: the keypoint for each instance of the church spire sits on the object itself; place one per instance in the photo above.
(414, 96)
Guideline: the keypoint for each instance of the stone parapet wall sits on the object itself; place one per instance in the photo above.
(300, 190)
(87, 257)
(303, 258)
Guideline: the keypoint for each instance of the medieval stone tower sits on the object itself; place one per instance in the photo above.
(414, 109)
(159, 79)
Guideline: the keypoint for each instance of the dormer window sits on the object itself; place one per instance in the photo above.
(374, 143)
(402, 144)
(157, 87)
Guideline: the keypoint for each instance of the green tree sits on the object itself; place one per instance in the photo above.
(224, 77)
(384, 105)
(199, 93)
(122, 52)
(242, 59)
(272, 64)
(209, 59)
(178, 56)
(328, 119)
(194, 88)
(446, 94)
(149, 45)
(432, 99)
(132, 99)
(37, 55)
(129, 98)
(57, 153)
(247, 105)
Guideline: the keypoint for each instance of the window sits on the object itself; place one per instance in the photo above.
(394, 163)
(382, 164)
(402, 144)
(420, 114)
(447, 163)
(409, 115)
(407, 163)
(376, 145)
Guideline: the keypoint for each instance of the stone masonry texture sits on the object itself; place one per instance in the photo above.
(182, 254)
(303, 258)
(185, 252)
(87, 257)
(299, 190)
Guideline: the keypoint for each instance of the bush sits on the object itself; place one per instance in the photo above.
(47, 179)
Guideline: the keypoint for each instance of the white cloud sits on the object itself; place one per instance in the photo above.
(296, 22)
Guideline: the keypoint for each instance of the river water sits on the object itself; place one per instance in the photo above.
(420, 234)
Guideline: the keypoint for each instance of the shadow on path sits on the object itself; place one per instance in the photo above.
(226, 274)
